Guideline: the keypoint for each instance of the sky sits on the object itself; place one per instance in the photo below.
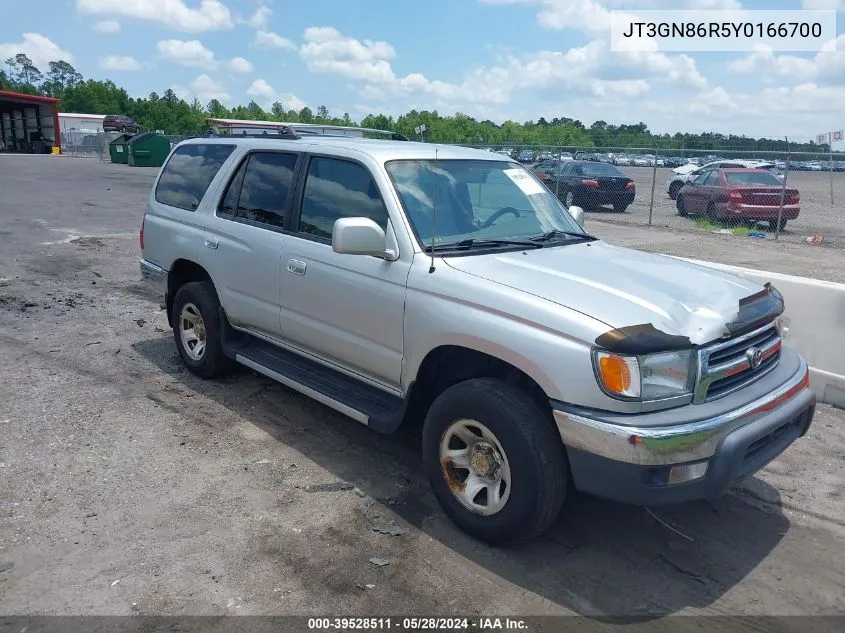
(491, 59)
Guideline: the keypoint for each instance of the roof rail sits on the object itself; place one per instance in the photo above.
(276, 129)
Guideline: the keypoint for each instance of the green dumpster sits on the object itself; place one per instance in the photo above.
(117, 149)
(148, 150)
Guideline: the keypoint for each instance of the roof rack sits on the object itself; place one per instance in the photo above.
(282, 129)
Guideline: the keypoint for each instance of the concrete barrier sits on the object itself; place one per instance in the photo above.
(815, 318)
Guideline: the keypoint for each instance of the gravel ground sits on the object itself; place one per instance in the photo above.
(128, 485)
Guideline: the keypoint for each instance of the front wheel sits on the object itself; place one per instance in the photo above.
(682, 210)
(569, 199)
(196, 328)
(674, 188)
(620, 208)
(495, 461)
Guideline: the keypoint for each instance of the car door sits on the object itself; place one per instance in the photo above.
(346, 309)
(694, 193)
(244, 239)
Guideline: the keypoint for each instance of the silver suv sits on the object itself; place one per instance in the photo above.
(393, 280)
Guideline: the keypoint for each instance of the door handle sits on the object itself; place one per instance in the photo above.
(296, 267)
(211, 242)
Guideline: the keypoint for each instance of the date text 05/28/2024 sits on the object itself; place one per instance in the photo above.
(416, 624)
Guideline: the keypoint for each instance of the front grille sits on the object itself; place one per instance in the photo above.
(726, 366)
(762, 449)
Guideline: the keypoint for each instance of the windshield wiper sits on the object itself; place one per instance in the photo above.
(474, 243)
(550, 235)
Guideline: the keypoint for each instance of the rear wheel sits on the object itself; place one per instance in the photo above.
(674, 188)
(196, 328)
(773, 224)
(682, 210)
(123, 130)
(495, 462)
(569, 199)
(621, 207)
(711, 213)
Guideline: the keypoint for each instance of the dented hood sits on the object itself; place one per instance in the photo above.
(629, 290)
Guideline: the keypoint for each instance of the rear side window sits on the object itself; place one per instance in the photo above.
(752, 178)
(265, 189)
(601, 169)
(188, 173)
(337, 189)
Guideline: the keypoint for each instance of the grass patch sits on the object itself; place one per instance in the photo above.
(741, 230)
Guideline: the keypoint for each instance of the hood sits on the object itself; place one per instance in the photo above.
(683, 170)
(622, 287)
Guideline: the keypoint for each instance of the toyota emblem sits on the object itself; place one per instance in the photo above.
(755, 357)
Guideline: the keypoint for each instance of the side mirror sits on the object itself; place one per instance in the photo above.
(360, 236)
(577, 214)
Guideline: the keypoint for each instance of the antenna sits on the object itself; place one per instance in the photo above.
(433, 216)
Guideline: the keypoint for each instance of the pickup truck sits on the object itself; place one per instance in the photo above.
(396, 281)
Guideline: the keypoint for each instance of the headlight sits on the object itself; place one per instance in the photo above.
(650, 377)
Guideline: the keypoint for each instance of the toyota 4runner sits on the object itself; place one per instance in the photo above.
(391, 280)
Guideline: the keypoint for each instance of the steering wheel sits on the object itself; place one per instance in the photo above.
(489, 221)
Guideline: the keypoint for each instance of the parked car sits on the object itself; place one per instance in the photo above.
(548, 170)
(623, 159)
(394, 285)
(738, 194)
(590, 185)
(568, 156)
(119, 123)
(525, 156)
(686, 173)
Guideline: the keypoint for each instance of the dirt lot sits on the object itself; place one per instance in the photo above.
(127, 485)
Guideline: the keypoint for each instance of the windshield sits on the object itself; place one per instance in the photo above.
(601, 169)
(752, 178)
(476, 199)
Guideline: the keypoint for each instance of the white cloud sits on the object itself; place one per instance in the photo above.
(591, 69)
(266, 95)
(825, 67)
(594, 16)
(211, 15)
(187, 53)
(240, 65)
(327, 50)
(259, 20)
(107, 26)
(118, 62)
(261, 89)
(203, 88)
(267, 39)
(39, 48)
(836, 5)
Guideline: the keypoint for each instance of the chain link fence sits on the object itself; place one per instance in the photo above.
(85, 143)
(792, 196)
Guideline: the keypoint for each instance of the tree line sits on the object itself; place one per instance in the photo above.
(174, 115)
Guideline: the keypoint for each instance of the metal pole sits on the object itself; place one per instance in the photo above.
(558, 162)
(653, 183)
(782, 190)
(830, 166)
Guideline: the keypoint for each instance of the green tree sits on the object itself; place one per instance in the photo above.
(217, 110)
(255, 111)
(322, 114)
(305, 115)
(60, 76)
(27, 72)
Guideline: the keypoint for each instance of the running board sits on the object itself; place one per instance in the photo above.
(360, 401)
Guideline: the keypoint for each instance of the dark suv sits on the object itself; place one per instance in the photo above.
(119, 123)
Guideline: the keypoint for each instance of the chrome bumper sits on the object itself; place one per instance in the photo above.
(154, 275)
(679, 443)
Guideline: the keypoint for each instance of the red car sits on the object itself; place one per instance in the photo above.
(738, 194)
(119, 123)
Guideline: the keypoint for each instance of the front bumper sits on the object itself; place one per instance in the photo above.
(155, 276)
(632, 464)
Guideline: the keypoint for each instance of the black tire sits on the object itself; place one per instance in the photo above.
(123, 130)
(674, 188)
(773, 224)
(710, 213)
(533, 449)
(682, 210)
(202, 295)
(620, 208)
